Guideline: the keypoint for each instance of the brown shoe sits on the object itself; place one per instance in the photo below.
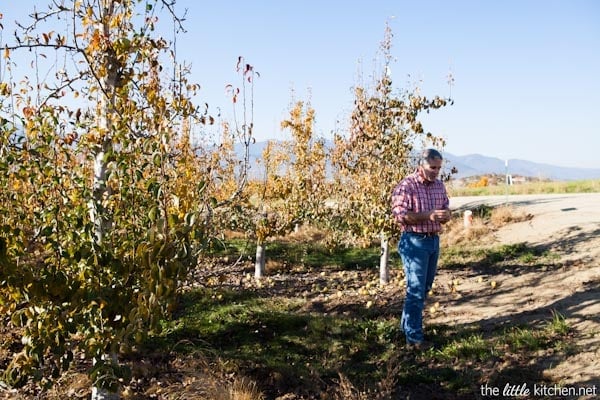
(419, 346)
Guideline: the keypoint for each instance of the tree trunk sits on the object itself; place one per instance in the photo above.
(97, 215)
(259, 265)
(101, 219)
(102, 223)
(384, 270)
(99, 393)
(103, 394)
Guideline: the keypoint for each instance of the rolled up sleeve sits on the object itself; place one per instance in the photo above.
(400, 203)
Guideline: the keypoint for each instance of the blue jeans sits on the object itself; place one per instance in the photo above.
(419, 255)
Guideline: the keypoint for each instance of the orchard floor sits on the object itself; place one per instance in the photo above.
(567, 227)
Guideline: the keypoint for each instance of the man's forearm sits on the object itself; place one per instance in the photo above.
(441, 216)
(412, 217)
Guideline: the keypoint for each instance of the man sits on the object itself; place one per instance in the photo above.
(420, 205)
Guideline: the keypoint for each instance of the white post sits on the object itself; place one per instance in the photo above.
(506, 180)
(468, 218)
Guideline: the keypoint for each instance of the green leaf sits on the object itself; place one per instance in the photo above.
(153, 187)
(190, 218)
(157, 159)
(173, 220)
(153, 213)
(19, 318)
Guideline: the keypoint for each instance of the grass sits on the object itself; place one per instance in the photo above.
(275, 334)
(238, 339)
(583, 186)
(471, 346)
(458, 256)
(285, 255)
(321, 346)
(286, 347)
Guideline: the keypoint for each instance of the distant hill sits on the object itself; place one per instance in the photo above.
(477, 164)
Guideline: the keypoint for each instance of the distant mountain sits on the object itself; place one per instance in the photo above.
(477, 164)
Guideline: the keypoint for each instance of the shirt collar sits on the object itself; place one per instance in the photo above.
(421, 178)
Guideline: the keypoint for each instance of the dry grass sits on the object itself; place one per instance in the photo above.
(210, 388)
(303, 234)
(243, 389)
(197, 379)
(455, 231)
(506, 214)
(184, 378)
(345, 390)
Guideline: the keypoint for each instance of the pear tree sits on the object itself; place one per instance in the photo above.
(94, 239)
(376, 154)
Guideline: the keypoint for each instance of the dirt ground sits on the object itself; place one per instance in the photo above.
(567, 226)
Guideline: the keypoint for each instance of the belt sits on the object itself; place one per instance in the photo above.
(423, 234)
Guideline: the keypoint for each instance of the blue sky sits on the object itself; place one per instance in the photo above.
(527, 72)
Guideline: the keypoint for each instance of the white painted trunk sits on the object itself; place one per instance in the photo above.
(96, 207)
(102, 223)
(384, 269)
(259, 265)
(101, 393)
(100, 218)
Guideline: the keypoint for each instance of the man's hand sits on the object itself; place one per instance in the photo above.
(441, 216)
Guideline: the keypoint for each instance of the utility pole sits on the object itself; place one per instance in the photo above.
(506, 179)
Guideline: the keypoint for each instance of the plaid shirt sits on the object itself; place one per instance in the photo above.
(415, 194)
